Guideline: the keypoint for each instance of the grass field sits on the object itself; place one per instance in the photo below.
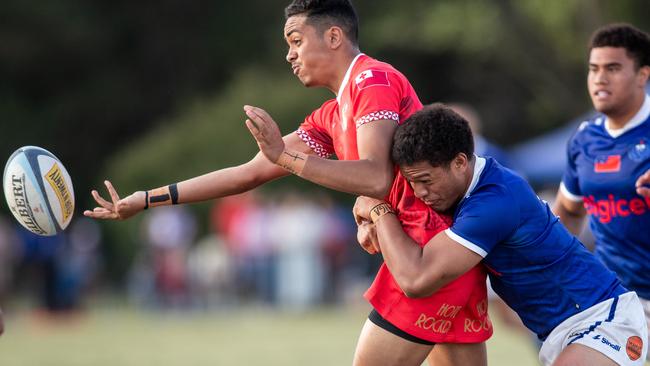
(119, 335)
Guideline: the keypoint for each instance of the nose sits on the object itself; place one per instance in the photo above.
(600, 77)
(420, 190)
(291, 55)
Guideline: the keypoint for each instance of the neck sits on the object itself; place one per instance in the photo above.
(619, 120)
(340, 67)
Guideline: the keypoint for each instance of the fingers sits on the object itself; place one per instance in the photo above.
(643, 191)
(114, 197)
(100, 213)
(101, 201)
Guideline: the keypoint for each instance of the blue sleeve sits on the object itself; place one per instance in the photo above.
(570, 175)
(484, 219)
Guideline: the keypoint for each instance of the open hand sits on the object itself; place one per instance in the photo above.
(265, 131)
(118, 209)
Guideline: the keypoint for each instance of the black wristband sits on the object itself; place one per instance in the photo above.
(146, 200)
(173, 192)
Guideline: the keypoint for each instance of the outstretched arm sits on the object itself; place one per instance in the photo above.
(418, 271)
(371, 175)
(220, 183)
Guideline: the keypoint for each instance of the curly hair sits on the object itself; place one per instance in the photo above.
(635, 41)
(326, 13)
(435, 134)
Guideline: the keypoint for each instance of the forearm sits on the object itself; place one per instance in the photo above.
(360, 177)
(221, 183)
(405, 259)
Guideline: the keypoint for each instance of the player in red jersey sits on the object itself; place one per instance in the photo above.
(372, 98)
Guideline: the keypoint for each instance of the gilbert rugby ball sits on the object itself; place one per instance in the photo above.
(38, 190)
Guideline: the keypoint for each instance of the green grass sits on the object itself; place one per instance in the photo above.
(119, 335)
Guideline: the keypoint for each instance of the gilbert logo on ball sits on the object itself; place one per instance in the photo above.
(38, 190)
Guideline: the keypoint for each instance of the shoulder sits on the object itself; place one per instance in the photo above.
(588, 128)
(371, 72)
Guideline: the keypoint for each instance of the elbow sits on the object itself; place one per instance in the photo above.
(380, 188)
(415, 288)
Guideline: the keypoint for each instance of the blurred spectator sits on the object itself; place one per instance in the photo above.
(39, 267)
(210, 273)
(243, 221)
(169, 233)
(298, 229)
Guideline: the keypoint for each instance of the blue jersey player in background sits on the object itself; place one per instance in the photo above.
(558, 288)
(608, 155)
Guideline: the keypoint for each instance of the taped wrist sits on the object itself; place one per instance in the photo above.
(167, 195)
(379, 211)
(292, 161)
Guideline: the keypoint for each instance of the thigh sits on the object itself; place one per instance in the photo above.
(377, 346)
(580, 355)
(464, 354)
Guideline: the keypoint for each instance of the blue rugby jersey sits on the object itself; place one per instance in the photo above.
(537, 267)
(602, 169)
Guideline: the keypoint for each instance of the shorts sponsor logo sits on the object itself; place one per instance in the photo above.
(449, 311)
(603, 340)
(441, 326)
(634, 347)
(58, 183)
(481, 324)
(477, 325)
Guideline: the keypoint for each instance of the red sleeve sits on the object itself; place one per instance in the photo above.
(315, 130)
(377, 95)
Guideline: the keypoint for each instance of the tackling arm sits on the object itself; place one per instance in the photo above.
(418, 271)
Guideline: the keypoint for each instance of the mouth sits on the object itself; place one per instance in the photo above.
(295, 69)
(602, 94)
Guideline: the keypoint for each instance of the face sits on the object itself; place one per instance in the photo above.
(615, 86)
(309, 54)
(440, 188)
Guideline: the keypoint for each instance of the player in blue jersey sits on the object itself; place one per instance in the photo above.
(608, 156)
(558, 288)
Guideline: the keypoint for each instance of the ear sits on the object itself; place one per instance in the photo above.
(460, 161)
(334, 37)
(644, 75)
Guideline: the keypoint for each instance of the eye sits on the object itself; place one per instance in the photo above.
(297, 42)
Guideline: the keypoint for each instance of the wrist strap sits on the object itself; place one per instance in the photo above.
(379, 211)
(162, 196)
(293, 161)
(146, 200)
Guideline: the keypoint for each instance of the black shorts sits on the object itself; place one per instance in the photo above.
(379, 321)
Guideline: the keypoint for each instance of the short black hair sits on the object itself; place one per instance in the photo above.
(326, 13)
(435, 134)
(622, 35)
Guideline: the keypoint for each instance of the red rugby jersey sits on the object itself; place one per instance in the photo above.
(373, 90)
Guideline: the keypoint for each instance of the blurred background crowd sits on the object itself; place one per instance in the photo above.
(147, 93)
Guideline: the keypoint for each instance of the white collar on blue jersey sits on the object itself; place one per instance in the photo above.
(638, 119)
(479, 165)
(347, 77)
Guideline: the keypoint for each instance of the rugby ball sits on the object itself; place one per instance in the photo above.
(38, 190)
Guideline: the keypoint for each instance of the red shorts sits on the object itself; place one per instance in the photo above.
(456, 313)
